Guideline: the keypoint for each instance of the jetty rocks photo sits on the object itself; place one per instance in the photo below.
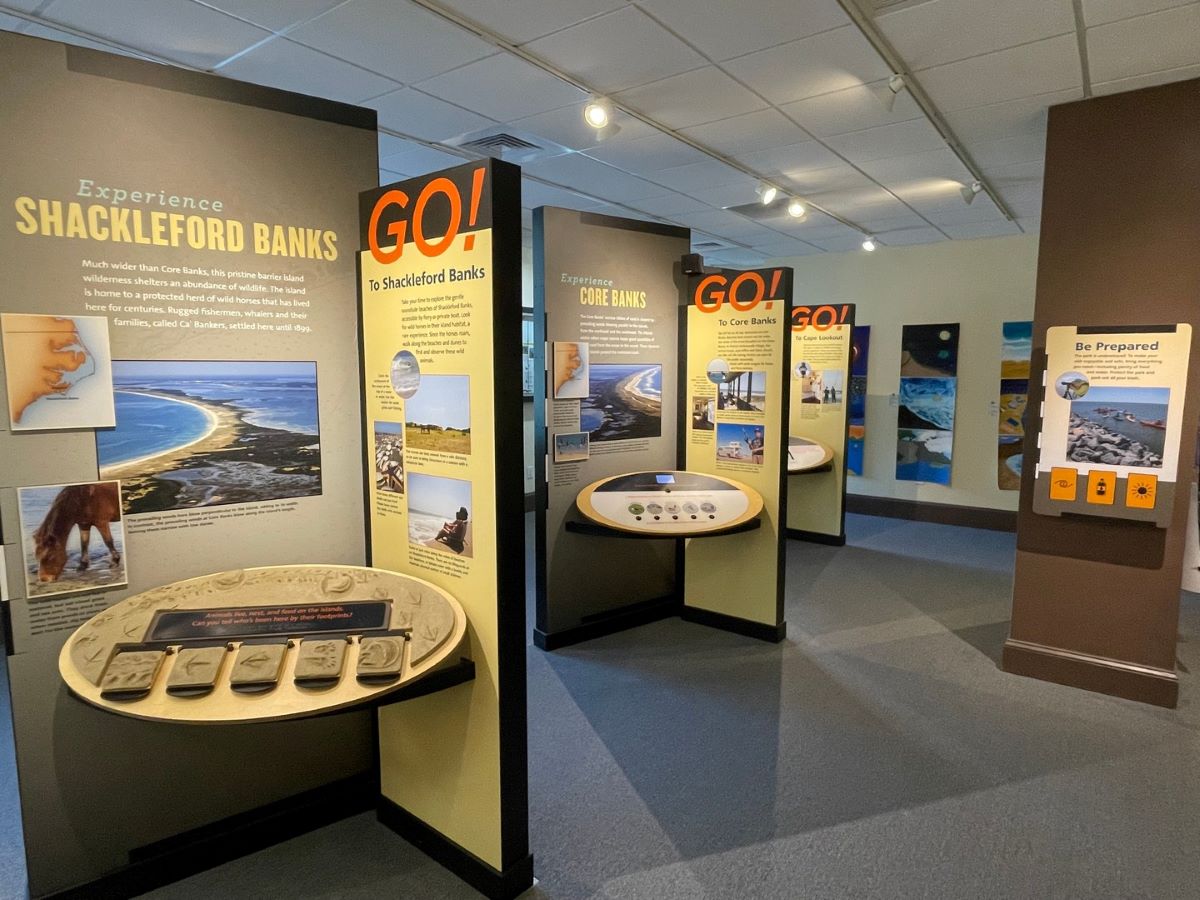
(1089, 442)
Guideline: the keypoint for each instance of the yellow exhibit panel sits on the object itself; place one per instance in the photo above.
(440, 491)
(737, 356)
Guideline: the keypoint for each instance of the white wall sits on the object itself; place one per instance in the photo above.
(980, 284)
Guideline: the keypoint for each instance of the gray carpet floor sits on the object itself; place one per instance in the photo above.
(878, 752)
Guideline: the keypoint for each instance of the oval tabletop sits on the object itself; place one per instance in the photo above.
(269, 643)
(805, 454)
(669, 503)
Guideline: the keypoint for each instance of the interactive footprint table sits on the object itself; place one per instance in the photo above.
(670, 504)
(278, 642)
(807, 455)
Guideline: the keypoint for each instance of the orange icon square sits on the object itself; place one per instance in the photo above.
(1064, 484)
(1141, 491)
(1102, 487)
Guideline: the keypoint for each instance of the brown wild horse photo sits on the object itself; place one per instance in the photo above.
(82, 506)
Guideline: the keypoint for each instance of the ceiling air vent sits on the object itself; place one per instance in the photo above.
(709, 245)
(499, 144)
(508, 144)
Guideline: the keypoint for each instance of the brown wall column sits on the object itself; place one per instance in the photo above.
(1096, 602)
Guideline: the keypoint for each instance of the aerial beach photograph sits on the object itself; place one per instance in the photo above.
(212, 432)
(625, 402)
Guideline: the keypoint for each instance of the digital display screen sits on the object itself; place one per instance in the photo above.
(665, 479)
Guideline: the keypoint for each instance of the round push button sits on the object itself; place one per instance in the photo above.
(636, 509)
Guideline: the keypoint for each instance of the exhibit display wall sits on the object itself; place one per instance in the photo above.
(978, 284)
(1096, 599)
(607, 302)
(191, 238)
(738, 346)
(824, 399)
(442, 397)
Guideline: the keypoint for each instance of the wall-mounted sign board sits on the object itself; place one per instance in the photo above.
(1112, 417)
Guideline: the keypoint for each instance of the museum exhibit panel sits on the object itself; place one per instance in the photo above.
(223, 539)
(659, 441)
(1105, 492)
(824, 357)
(440, 288)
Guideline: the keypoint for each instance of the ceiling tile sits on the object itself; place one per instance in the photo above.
(831, 178)
(53, 34)
(274, 14)
(852, 109)
(726, 30)
(399, 40)
(566, 127)
(387, 176)
(1025, 148)
(816, 226)
(283, 64)
(503, 87)
(1039, 68)
(671, 205)
(892, 223)
(909, 236)
(942, 31)
(794, 157)
(1098, 12)
(1140, 81)
(948, 213)
(710, 173)
(833, 61)
(785, 247)
(535, 194)
(744, 134)
(1019, 174)
(848, 242)
(861, 203)
(692, 98)
(23, 6)
(411, 112)
(716, 221)
(648, 154)
(178, 30)
(1030, 224)
(1023, 200)
(618, 50)
(736, 194)
(887, 140)
(739, 258)
(1153, 43)
(523, 20)
(1013, 117)
(981, 230)
(582, 173)
(415, 159)
(934, 178)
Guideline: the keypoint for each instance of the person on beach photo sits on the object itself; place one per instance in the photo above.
(453, 534)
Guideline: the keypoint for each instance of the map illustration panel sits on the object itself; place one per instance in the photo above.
(58, 371)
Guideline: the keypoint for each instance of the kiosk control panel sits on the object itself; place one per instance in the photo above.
(669, 503)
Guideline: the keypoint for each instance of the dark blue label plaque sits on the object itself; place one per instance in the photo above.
(256, 621)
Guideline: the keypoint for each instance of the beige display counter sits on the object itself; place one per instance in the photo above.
(807, 455)
(670, 504)
(270, 643)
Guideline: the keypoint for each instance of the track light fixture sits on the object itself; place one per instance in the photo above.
(969, 191)
(598, 112)
(767, 193)
(868, 243)
(887, 95)
(796, 208)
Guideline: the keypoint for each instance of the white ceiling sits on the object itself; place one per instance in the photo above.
(720, 94)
